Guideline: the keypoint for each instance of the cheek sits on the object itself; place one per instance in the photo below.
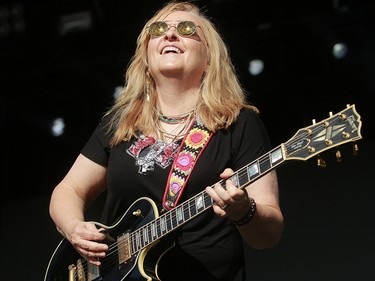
(202, 53)
(151, 51)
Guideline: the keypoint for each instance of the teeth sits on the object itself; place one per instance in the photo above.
(171, 49)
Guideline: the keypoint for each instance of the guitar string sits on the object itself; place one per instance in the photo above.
(242, 174)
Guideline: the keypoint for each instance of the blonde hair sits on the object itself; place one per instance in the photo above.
(222, 97)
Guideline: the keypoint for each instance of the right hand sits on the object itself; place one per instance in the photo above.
(85, 237)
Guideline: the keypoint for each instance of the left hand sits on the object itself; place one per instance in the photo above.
(230, 201)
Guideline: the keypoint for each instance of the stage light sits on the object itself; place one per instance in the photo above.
(12, 20)
(117, 91)
(81, 21)
(57, 127)
(339, 50)
(256, 67)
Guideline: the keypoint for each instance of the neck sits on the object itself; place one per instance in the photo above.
(177, 103)
(176, 95)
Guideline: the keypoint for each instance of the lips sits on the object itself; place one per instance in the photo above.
(171, 49)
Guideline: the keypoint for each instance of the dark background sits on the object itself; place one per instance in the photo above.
(49, 70)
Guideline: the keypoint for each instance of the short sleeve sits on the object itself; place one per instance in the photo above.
(250, 139)
(97, 147)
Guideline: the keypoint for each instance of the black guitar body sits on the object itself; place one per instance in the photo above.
(139, 214)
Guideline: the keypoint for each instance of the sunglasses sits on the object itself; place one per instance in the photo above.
(183, 28)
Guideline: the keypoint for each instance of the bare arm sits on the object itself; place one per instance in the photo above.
(266, 226)
(70, 198)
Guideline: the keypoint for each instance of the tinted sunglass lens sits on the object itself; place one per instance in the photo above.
(186, 28)
(158, 28)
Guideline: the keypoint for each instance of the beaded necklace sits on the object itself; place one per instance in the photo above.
(177, 133)
(176, 119)
(182, 123)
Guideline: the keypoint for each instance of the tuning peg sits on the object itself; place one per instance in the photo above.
(321, 162)
(338, 156)
(355, 149)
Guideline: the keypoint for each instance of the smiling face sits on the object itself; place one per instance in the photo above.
(173, 55)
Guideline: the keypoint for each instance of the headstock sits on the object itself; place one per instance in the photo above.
(343, 127)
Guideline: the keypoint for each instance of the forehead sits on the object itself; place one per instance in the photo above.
(182, 16)
(186, 16)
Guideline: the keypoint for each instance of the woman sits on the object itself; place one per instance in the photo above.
(180, 76)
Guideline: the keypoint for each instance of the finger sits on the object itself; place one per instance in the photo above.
(95, 262)
(226, 173)
(90, 232)
(90, 257)
(214, 194)
(218, 210)
(94, 247)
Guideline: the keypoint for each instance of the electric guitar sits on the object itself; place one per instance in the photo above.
(135, 241)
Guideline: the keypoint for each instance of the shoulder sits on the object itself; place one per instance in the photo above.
(248, 117)
(250, 126)
(248, 113)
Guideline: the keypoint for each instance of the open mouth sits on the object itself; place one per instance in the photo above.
(171, 49)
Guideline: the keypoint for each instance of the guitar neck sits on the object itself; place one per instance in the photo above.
(186, 211)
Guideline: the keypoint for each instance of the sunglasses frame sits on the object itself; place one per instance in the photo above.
(156, 26)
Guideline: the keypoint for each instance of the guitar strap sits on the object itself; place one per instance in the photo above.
(189, 152)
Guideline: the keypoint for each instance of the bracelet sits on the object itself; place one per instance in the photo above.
(249, 214)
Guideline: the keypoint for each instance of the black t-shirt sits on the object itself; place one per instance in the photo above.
(207, 247)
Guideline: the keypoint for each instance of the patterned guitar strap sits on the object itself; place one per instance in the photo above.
(189, 152)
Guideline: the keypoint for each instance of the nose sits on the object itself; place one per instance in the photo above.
(171, 33)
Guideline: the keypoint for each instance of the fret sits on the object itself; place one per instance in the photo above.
(137, 240)
(144, 236)
(277, 156)
(132, 244)
(212, 201)
(148, 237)
(207, 201)
(192, 207)
(153, 231)
(158, 228)
(174, 222)
(199, 203)
(222, 183)
(264, 164)
(141, 243)
(253, 170)
(235, 180)
(180, 214)
(187, 213)
(168, 221)
(163, 227)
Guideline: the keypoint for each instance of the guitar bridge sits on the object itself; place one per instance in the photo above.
(80, 273)
(72, 272)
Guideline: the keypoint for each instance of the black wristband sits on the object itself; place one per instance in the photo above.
(249, 215)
